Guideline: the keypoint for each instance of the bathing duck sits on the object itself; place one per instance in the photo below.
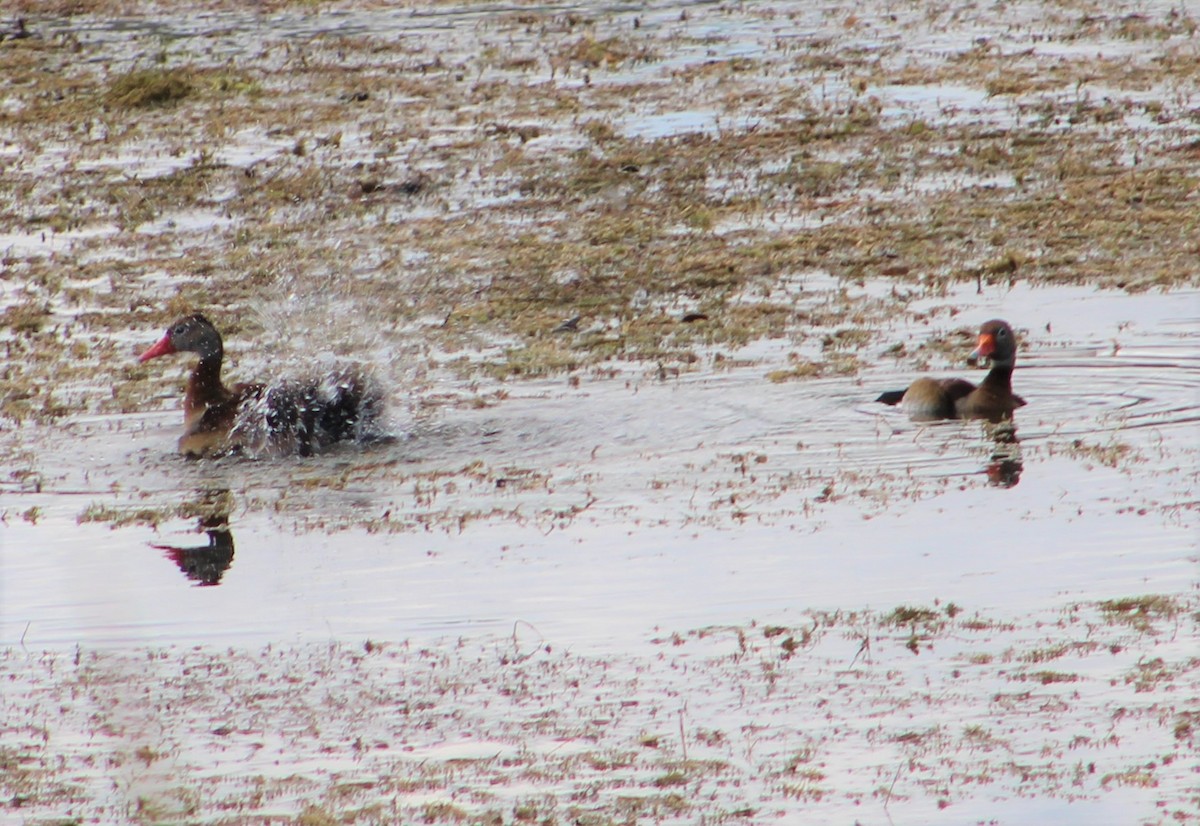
(927, 399)
(285, 417)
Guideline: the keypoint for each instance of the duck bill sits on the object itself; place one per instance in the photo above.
(987, 345)
(163, 348)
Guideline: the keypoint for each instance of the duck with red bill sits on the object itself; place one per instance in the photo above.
(928, 399)
(287, 416)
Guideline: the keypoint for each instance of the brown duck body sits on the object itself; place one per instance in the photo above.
(993, 399)
(285, 417)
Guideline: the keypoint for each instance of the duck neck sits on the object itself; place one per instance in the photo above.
(1000, 377)
(204, 387)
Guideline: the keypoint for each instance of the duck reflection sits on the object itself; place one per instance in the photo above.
(1005, 466)
(206, 564)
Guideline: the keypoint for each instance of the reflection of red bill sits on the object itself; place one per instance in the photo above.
(1005, 473)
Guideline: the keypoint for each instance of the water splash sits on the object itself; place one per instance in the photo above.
(291, 415)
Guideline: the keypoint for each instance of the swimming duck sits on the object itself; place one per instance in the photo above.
(927, 399)
(289, 416)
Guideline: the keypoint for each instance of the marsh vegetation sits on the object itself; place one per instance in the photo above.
(642, 551)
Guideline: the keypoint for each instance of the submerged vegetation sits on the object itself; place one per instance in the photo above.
(739, 723)
(462, 193)
(149, 87)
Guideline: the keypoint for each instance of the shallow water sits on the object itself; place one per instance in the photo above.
(634, 592)
(600, 513)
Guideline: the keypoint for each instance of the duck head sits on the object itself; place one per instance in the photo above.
(190, 334)
(997, 343)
